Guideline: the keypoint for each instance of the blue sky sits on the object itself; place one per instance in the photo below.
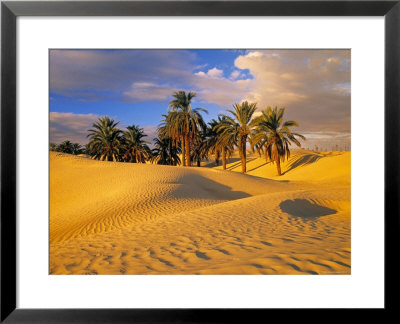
(135, 86)
(89, 100)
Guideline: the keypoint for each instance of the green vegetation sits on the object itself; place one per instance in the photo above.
(184, 123)
(183, 137)
(68, 147)
(238, 127)
(134, 148)
(274, 135)
(105, 140)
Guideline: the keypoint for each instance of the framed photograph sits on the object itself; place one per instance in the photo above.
(197, 161)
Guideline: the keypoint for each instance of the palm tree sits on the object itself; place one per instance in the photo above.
(211, 142)
(238, 127)
(226, 142)
(165, 152)
(65, 147)
(259, 139)
(135, 148)
(200, 149)
(185, 122)
(77, 149)
(172, 127)
(105, 140)
(52, 147)
(275, 135)
(219, 144)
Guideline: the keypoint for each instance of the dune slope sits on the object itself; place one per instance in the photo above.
(303, 165)
(118, 218)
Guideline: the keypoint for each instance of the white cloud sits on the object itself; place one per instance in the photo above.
(220, 91)
(313, 85)
(90, 74)
(210, 87)
(70, 126)
(255, 54)
(201, 73)
(215, 73)
(234, 75)
(212, 73)
(146, 91)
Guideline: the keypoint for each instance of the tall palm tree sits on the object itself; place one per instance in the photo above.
(259, 139)
(238, 127)
(211, 143)
(186, 122)
(226, 142)
(172, 126)
(105, 140)
(200, 149)
(221, 145)
(165, 152)
(135, 148)
(276, 135)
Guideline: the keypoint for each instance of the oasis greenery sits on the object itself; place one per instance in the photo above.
(183, 137)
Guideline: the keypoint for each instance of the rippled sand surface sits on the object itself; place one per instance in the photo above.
(120, 218)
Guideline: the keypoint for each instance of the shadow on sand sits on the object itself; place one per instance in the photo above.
(306, 209)
(211, 163)
(232, 163)
(257, 167)
(237, 162)
(195, 186)
(299, 160)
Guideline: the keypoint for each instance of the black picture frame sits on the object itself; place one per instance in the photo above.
(10, 10)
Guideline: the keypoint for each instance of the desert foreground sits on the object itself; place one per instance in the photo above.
(125, 218)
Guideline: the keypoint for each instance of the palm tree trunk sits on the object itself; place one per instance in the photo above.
(278, 161)
(240, 151)
(188, 163)
(198, 163)
(266, 154)
(216, 155)
(223, 158)
(278, 165)
(170, 148)
(183, 151)
(243, 142)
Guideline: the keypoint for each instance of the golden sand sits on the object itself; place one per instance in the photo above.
(122, 218)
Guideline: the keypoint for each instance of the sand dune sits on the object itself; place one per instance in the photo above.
(119, 218)
(303, 165)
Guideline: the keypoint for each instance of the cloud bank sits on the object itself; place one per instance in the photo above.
(74, 127)
(69, 126)
(313, 85)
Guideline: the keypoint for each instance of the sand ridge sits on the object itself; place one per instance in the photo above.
(303, 165)
(119, 218)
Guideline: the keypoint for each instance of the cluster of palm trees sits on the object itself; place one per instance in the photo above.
(68, 147)
(184, 128)
(109, 143)
(184, 137)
